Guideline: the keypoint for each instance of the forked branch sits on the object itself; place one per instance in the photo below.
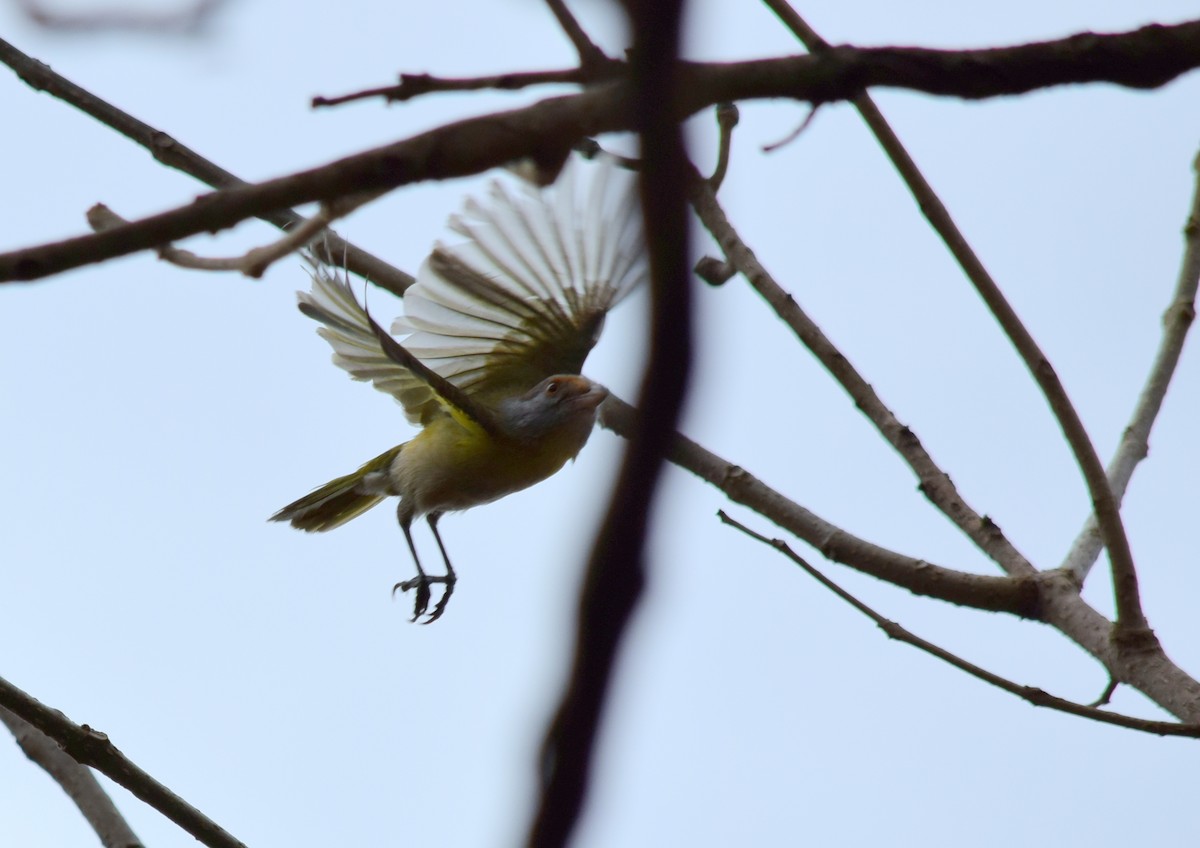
(1131, 620)
(92, 748)
(1032, 694)
(935, 483)
(76, 780)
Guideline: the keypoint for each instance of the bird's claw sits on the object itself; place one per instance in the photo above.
(421, 583)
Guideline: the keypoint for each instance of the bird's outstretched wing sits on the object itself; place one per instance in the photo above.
(522, 299)
(356, 347)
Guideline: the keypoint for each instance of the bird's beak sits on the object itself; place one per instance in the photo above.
(594, 396)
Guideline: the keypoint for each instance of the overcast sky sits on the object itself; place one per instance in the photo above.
(152, 418)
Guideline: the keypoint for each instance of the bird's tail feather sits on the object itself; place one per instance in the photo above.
(340, 500)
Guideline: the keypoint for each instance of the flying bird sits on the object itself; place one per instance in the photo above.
(495, 333)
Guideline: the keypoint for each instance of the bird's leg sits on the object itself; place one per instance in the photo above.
(450, 579)
(423, 581)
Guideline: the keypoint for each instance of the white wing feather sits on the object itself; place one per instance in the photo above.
(552, 264)
(355, 347)
(526, 291)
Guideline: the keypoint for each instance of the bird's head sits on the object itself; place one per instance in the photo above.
(561, 405)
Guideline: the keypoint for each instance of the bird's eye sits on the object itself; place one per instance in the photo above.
(552, 388)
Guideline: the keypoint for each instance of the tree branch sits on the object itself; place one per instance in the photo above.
(1135, 443)
(1131, 621)
(254, 262)
(417, 85)
(727, 119)
(1016, 595)
(615, 574)
(1150, 56)
(76, 780)
(934, 483)
(92, 748)
(1032, 694)
(594, 66)
(591, 57)
(174, 155)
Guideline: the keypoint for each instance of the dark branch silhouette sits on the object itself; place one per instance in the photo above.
(1145, 58)
(616, 570)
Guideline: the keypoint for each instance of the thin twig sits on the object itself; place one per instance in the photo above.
(794, 134)
(589, 149)
(590, 56)
(418, 85)
(1135, 443)
(715, 272)
(616, 570)
(254, 262)
(727, 119)
(1131, 620)
(92, 748)
(1107, 694)
(171, 153)
(594, 67)
(1032, 694)
(76, 780)
(934, 482)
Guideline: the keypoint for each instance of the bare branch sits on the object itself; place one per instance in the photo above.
(934, 483)
(594, 67)
(1135, 444)
(727, 119)
(417, 85)
(91, 748)
(255, 262)
(1131, 621)
(1015, 595)
(171, 153)
(76, 780)
(794, 134)
(589, 148)
(1032, 694)
(715, 272)
(544, 131)
(590, 56)
(799, 27)
(616, 570)
(1147, 57)
(1107, 694)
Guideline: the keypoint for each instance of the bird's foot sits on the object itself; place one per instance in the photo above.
(421, 583)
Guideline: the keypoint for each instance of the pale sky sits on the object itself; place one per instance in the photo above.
(153, 418)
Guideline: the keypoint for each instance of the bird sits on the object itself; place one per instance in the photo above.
(495, 332)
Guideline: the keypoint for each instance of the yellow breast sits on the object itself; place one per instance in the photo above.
(452, 467)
